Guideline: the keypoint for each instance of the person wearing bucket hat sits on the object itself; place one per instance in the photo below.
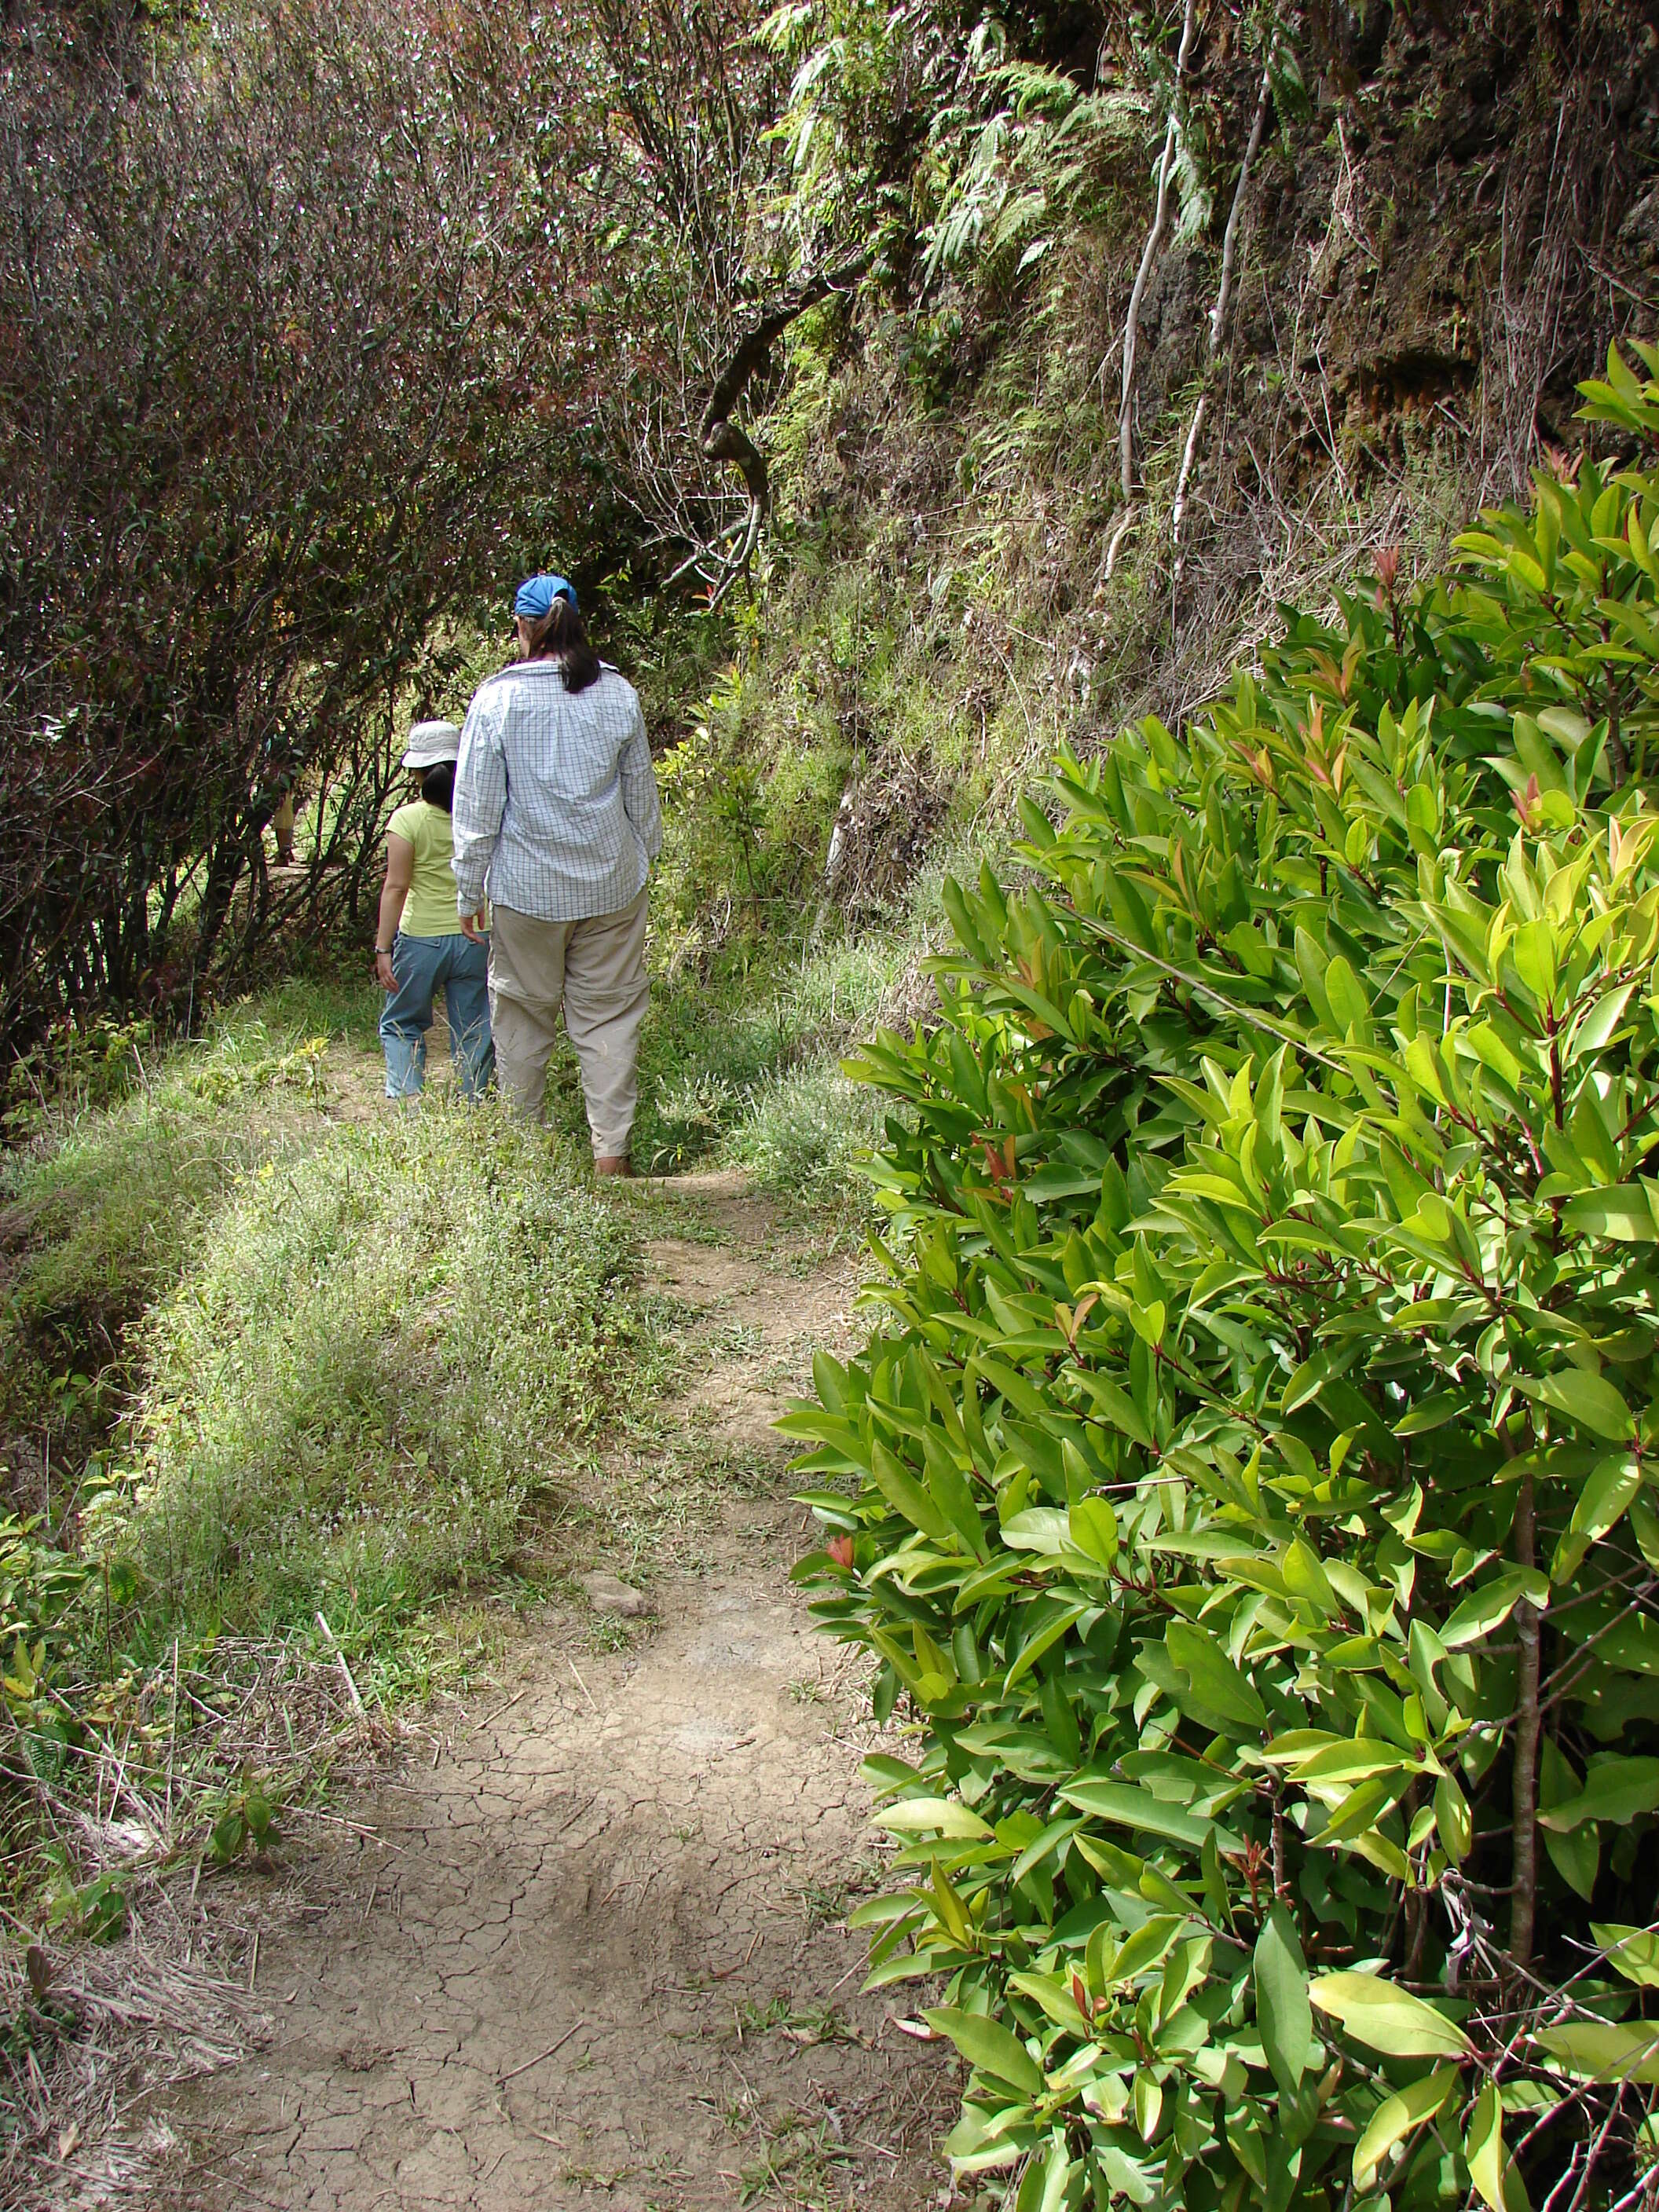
(420, 948)
(430, 744)
(557, 820)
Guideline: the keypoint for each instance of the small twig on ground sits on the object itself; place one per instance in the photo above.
(725, 1973)
(552, 2047)
(345, 1671)
(339, 1820)
(581, 1685)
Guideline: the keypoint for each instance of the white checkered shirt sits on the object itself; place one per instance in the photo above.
(557, 814)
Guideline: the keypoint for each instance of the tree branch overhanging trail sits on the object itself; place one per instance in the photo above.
(723, 440)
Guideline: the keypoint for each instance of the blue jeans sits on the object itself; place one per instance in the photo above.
(420, 965)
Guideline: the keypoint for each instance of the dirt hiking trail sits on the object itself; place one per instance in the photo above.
(585, 1950)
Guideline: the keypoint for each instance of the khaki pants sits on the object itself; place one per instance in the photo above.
(597, 968)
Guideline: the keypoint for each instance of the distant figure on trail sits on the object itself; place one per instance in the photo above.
(558, 819)
(418, 943)
(282, 823)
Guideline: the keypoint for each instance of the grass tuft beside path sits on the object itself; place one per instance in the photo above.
(270, 1350)
(386, 1348)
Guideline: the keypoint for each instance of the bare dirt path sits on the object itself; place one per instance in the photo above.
(589, 1952)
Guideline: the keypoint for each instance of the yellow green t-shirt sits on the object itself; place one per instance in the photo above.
(429, 909)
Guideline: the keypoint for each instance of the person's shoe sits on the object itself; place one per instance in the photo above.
(613, 1163)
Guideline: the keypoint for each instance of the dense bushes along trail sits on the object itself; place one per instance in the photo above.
(1254, 1476)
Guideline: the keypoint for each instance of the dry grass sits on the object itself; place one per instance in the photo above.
(97, 2031)
(146, 2017)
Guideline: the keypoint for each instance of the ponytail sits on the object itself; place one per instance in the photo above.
(562, 635)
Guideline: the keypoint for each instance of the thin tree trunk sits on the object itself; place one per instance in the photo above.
(1523, 1899)
(224, 872)
(723, 440)
(1220, 314)
(1148, 258)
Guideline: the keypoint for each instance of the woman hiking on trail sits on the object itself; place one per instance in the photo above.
(558, 819)
(418, 944)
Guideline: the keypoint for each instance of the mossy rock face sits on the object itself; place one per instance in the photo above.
(1179, 295)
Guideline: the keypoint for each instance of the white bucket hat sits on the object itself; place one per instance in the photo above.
(432, 742)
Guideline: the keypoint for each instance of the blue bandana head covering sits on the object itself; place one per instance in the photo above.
(536, 595)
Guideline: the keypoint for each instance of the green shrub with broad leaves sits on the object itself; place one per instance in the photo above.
(1252, 1498)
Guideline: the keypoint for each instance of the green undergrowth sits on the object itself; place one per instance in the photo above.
(739, 1057)
(108, 1201)
(807, 1135)
(286, 1377)
(282, 1371)
(389, 1345)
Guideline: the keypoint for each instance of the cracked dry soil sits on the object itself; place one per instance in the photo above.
(591, 1956)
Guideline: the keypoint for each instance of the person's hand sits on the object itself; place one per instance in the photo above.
(472, 926)
(383, 970)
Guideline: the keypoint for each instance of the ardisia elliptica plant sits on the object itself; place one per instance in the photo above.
(1254, 1497)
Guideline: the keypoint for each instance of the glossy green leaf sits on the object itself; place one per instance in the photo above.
(989, 2047)
(1128, 1807)
(925, 1816)
(1633, 1951)
(902, 1490)
(1598, 2050)
(1614, 1789)
(1395, 2118)
(1092, 1526)
(1451, 1813)
(1217, 1682)
(1385, 2018)
(1589, 1400)
(1284, 2017)
(1483, 2148)
(1490, 1604)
